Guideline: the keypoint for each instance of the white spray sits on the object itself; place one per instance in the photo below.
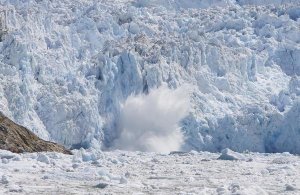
(151, 122)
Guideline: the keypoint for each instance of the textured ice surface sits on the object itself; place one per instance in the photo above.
(121, 172)
(67, 66)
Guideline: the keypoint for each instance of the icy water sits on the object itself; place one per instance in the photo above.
(122, 172)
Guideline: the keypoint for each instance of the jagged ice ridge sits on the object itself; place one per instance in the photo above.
(66, 68)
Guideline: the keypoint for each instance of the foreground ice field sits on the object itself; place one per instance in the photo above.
(122, 172)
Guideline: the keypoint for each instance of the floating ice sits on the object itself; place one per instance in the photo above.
(228, 154)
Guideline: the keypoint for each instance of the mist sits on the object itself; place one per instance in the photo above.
(152, 122)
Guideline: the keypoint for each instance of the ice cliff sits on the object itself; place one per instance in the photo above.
(66, 68)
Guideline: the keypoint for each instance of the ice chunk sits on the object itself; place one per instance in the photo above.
(7, 154)
(289, 187)
(43, 158)
(101, 185)
(4, 179)
(123, 180)
(15, 188)
(5, 160)
(134, 28)
(228, 154)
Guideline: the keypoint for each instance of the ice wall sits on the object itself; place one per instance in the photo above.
(67, 66)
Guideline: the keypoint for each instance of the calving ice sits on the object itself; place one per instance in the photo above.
(151, 122)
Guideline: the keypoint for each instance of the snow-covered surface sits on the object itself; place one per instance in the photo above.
(66, 68)
(121, 172)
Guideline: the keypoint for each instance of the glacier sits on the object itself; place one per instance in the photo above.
(67, 67)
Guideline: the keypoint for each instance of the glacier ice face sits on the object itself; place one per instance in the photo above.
(67, 66)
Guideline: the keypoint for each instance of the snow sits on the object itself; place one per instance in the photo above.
(152, 173)
(67, 67)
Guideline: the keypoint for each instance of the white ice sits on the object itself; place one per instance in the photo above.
(121, 172)
(67, 66)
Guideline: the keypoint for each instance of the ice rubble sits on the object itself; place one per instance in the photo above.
(120, 172)
(67, 66)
